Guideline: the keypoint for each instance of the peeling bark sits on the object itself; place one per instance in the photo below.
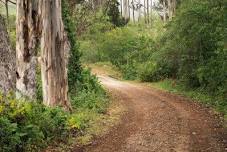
(7, 61)
(26, 29)
(54, 55)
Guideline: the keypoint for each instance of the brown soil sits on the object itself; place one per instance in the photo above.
(158, 121)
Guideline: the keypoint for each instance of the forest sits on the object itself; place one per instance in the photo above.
(113, 75)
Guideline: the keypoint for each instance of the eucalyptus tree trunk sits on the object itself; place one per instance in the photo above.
(26, 40)
(133, 11)
(148, 12)
(126, 15)
(171, 8)
(151, 11)
(54, 55)
(170, 13)
(144, 10)
(129, 15)
(139, 7)
(121, 5)
(7, 61)
(164, 11)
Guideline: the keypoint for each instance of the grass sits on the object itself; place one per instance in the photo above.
(97, 124)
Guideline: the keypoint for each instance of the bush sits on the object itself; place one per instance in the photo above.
(28, 126)
(196, 36)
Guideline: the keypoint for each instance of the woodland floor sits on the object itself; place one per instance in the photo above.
(158, 121)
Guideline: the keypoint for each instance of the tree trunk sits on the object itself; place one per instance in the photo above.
(7, 61)
(164, 11)
(126, 15)
(151, 11)
(129, 15)
(121, 5)
(7, 11)
(144, 11)
(139, 7)
(170, 11)
(171, 8)
(26, 39)
(133, 11)
(148, 12)
(54, 55)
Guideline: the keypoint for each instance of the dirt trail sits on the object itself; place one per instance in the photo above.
(158, 121)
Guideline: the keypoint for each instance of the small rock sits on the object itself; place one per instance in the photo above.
(194, 133)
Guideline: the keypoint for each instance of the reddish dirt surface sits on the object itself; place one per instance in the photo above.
(158, 121)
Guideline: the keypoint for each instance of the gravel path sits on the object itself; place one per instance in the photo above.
(157, 121)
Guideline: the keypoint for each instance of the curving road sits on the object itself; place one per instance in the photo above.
(157, 121)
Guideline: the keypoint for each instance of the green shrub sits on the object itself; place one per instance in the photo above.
(91, 94)
(74, 65)
(196, 37)
(9, 138)
(28, 126)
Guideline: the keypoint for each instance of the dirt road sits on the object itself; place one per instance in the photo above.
(157, 121)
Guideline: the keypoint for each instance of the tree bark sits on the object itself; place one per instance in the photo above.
(54, 54)
(171, 8)
(26, 40)
(121, 5)
(151, 11)
(144, 10)
(126, 12)
(7, 61)
(164, 11)
(133, 11)
(129, 12)
(139, 13)
(148, 12)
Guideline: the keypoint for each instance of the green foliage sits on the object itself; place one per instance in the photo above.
(123, 47)
(31, 126)
(28, 126)
(91, 95)
(114, 14)
(196, 37)
(74, 65)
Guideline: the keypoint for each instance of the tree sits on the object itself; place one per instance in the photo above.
(54, 55)
(133, 10)
(7, 62)
(164, 10)
(139, 7)
(144, 10)
(126, 11)
(168, 8)
(171, 8)
(26, 40)
(148, 12)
